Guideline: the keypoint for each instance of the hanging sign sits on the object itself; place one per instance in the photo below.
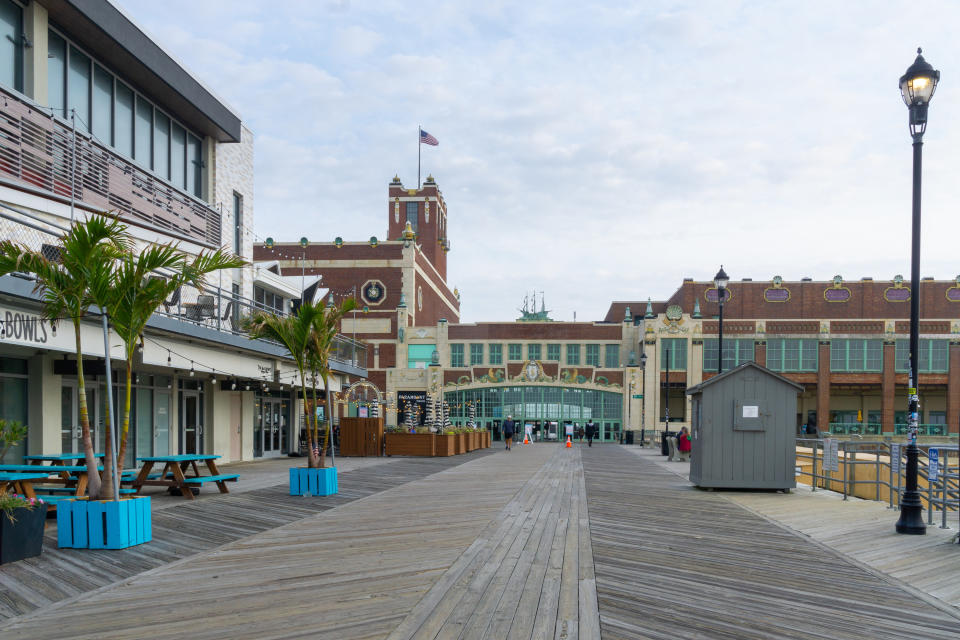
(933, 464)
(831, 460)
(895, 457)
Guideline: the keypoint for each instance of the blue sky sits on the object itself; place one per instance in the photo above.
(593, 151)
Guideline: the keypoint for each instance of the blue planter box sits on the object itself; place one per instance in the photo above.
(103, 524)
(316, 482)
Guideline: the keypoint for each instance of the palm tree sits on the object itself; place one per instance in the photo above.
(136, 294)
(68, 287)
(326, 326)
(294, 333)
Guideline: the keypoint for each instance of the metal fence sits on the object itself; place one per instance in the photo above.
(214, 307)
(875, 471)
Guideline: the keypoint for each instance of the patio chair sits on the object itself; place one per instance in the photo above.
(205, 307)
(174, 300)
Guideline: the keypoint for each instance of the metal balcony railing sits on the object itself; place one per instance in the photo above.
(37, 151)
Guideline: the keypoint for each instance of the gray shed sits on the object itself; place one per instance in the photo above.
(743, 426)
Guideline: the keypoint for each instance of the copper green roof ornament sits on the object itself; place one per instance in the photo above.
(403, 301)
(627, 316)
(649, 313)
(696, 308)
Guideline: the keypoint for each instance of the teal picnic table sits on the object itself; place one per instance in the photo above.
(173, 476)
(58, 458)
(72, 477)
(21, 482)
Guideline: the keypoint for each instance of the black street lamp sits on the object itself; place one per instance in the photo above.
(720, 281)
(664, 446)
(643, 394)
(917, 86)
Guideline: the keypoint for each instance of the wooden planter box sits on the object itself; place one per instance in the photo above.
(461, 442)
(484, 439)
(446, 445)
(103, 524)
(315, 482)
(22, 537)
(411, 444)
(473, 441)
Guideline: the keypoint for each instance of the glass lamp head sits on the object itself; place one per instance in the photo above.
(919, 83)
(721, 280)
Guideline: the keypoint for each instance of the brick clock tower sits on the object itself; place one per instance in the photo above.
(426, 211)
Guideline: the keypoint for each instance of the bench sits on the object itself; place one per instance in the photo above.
(218, 479)
(70, 491)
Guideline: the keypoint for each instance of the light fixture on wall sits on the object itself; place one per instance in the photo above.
(247, 387)
(169, 361)
(233, 385)
(192, 372)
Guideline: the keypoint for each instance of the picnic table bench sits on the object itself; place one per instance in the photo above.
(71, 476)
(172, 476)
(20, 482)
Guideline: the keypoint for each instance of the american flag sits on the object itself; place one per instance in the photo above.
(426, 138)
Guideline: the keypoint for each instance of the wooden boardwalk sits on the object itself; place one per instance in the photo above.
(182, 529)
(543, 542)
(675, 562)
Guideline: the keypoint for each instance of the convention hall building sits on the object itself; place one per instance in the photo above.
(844, 340)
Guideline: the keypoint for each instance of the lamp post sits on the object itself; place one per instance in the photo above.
(720, 281)
(643, 400)
(304, 243)
(664, 447)
(917, 86)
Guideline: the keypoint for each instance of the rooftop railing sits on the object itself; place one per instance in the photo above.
(38, 153)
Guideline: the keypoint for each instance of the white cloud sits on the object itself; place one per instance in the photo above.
(599, 152)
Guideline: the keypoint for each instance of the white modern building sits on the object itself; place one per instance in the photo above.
(96, 116)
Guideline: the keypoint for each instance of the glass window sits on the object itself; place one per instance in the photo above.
(144, 421)
(856, 355)
(57, 73)
(593, 355)
(573, 354)
(237, 223)
(161, 145)
(533, 351)
(78, 88)
(934, 356)
(515, 352)
(420, 356)
(194, 166)
(496, 354)
(476, 353)
(611, 358)
(736, 351)
(412, 209)
(456, 355)
(123, 120)
(553, 352)
(178, 156)
(674, 351)
(102, 105)
(11, 51)
(792, 354)
(143, 133)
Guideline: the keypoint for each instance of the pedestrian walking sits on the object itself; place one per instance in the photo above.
(579, 434)
(684, 445)
(591, 432)
(508, 429)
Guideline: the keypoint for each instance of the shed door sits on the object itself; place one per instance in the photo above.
(749, 415)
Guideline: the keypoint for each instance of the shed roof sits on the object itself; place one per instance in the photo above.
(698, 388)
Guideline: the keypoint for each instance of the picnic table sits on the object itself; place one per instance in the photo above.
(172, 476)
(20, 482)
(70, 476)
(57, 458)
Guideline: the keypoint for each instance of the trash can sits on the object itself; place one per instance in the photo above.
(664, 447)
(628, 438)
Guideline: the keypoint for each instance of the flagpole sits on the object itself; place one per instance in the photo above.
(418, 157)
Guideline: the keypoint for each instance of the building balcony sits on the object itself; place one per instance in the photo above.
(38, 155)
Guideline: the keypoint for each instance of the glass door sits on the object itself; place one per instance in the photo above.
(70, 433)
(191, 426)
(161, 423)
(258, 427)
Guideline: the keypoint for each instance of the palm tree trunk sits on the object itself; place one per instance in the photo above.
(311, 460)
(93, 478)
(329, 414)
(126, 416)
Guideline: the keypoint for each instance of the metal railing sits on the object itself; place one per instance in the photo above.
(213, 307)
(886, 459)
(876, 429)
(40, 152)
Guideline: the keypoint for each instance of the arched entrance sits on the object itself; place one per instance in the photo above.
(362, 399)
(545, 407)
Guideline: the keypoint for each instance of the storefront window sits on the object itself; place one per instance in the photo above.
(13, 400)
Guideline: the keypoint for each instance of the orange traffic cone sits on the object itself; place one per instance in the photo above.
(526, 438)
(569, 444)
